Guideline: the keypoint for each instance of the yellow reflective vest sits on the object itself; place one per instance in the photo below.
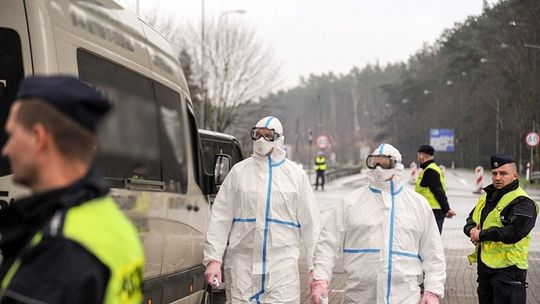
(497, 254)
(424, 191)
(320, 162)
(100, 227)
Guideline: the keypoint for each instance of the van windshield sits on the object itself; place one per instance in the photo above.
(11, 74)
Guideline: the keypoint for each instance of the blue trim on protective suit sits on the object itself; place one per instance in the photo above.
(268, 121)
(283, 222)
(379, 191)
(381, 149)
(374, 190)
(266, 223)
(244, 220)
(390, 243)
(363, 250)
(407, 254)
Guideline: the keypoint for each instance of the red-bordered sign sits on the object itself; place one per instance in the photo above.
(322, 141)
(532, 139)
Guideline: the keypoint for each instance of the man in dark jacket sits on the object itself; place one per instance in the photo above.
(68, 242)
(499, 227)
(430, 184)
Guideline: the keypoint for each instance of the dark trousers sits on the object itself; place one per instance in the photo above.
(502, 288)
(320, 174)
(439, 218)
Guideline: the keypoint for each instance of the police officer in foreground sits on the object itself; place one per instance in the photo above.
(431, 185)
(499, 226)
(68, 242)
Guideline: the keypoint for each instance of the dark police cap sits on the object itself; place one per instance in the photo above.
(501, 159)
(426, 149)
(71, 96)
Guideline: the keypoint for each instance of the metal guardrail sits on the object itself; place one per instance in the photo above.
(333, 174)
(534, 177)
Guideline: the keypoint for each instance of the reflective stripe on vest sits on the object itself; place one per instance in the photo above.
(497, 254)
(320, 162)
(100, 227)
(424, 191)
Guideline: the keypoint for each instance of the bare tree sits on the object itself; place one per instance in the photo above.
(237, 67)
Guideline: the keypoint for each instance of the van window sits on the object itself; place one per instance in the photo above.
(172, 125)
(128, 137)
(11, 74)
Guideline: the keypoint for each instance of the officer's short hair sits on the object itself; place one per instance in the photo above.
(72, 139)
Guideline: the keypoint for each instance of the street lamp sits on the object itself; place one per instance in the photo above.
(203, 76)
(535, 47)
(203, 58)
(239, 11)
(497, 110)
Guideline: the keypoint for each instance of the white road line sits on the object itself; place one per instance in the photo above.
(464, 182)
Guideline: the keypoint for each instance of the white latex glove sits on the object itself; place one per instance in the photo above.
(213, 270)
(430, 298)
(319, 289)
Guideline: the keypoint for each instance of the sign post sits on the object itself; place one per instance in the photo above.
(310, 143)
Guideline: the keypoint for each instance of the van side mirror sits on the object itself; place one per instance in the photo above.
(221, 168)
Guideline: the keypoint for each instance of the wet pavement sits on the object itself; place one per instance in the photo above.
(461, 277)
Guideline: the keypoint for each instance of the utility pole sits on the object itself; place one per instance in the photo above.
(203, 76)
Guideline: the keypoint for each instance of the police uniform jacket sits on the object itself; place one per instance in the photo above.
(57, 269)
(518, 218)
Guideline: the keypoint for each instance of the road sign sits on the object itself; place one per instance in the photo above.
(322, 141)
(532, 139)
(442, 139)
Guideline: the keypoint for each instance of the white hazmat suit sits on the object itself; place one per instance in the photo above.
(263, 214)
(388, 237)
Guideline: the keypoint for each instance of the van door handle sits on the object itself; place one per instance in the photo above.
(144, 185)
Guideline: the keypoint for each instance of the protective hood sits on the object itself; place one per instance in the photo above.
(261, 147)
(380, 176)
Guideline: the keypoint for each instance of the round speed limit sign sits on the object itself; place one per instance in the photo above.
(532, 139)
(322, 141)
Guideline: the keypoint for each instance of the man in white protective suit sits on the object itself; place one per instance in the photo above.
(263, 214)
(388, 237)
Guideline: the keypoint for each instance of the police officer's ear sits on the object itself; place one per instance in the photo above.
(42, 138)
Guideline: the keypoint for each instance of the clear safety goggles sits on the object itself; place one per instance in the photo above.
(266, 133)
(384, 161)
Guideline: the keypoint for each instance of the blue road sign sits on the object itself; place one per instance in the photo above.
(442, 139)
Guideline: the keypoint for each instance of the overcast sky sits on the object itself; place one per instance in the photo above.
(317, 36)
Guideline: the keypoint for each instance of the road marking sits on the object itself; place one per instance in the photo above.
(464, 182)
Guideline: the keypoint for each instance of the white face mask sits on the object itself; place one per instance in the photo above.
(379, 175)
(262, 147)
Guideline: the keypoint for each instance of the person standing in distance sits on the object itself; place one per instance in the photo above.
(499, 226)
(387, 237)
(431, 185)
(68, 242)
(263, 214)
(320, 168)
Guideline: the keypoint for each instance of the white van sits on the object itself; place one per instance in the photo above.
(149, 146)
